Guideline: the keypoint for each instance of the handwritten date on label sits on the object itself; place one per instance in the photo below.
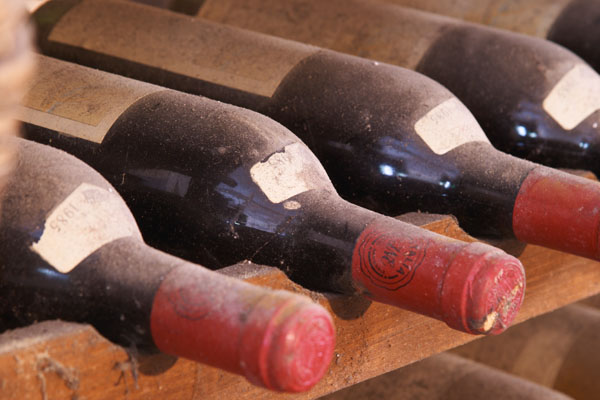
(86, 220)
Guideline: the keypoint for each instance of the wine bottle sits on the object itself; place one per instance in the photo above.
(570, 23)
(217, 184)
(592, 301)
(558, 350)
(391, 140)
(71, 250)
(532, 98)
(446, 376)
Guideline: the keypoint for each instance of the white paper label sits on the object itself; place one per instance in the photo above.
(449, 125)
(285, 174)
(575, 97)
(86, 220)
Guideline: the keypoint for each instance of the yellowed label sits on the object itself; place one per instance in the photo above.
(285, 174)
(180, 44)
(531, 17)
(575, 97)
(78, 101)
(86, 220)
(365, 29)
(449, 125)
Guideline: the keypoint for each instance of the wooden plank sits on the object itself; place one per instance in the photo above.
(56, 360)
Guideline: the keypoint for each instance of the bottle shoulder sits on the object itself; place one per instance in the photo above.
(61, 208)
(194, 138)
(346, 95)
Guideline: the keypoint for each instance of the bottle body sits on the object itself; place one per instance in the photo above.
(72, 251)
(570, 23)
(449, 377)
(218, 184)
(534, 18)
(556, 350)
(398, 166)
(416, 138)
(547, 114)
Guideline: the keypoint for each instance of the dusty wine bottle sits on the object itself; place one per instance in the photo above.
(532, 98)
(217, 184)
(447, 377)
(574, 24)
(391, 140)
(558, 350)
(71, 250)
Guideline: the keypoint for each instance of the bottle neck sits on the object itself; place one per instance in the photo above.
(472, 287)
(483, 189)
(112, 289)
(399, 264)
(147, 300)
(242, 328)
(558, 210)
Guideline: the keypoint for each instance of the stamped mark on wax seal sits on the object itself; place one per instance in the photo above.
(86, 220)
(188, 301)
(387, 260)
(449, 125)
(575, 97)
(285, 173)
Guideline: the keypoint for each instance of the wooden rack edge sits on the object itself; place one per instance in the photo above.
(56, 360)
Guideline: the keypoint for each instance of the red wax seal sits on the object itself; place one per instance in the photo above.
(276, 339)
(389, 261)
(473, 287)
(187, 303)
(558, 210)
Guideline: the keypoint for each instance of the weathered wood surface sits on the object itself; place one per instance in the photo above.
(56, 360)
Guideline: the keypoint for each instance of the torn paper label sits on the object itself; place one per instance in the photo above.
(449, 125)
(285, 174)
(575, 97)
(86, 220)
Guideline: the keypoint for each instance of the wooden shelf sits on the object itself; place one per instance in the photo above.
(58, 360)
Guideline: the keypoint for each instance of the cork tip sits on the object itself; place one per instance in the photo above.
(296, 347)
(303, 349)
(496, 295)
(483, 290)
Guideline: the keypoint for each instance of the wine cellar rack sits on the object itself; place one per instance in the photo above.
(64, 360)
(56, 360)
